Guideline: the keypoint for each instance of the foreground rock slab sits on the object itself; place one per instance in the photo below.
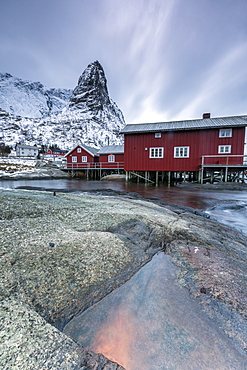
(152, 323)
(62, 254)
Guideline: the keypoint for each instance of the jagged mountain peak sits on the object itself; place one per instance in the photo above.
(91, 91)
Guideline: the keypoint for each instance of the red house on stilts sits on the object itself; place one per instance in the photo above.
(194, 147)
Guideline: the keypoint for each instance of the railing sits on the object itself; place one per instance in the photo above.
(94, 166)
(224, 160)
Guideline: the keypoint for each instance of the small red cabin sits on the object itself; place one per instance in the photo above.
(111, 157)
(82, 157)
(54, 153)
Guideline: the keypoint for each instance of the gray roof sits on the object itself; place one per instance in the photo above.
(112, 149)
(195, 124)
(90, 149)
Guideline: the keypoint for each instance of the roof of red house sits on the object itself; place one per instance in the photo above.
(112, 149)
(195, 124)
(89, 149)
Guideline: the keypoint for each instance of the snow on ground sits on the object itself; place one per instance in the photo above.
(8, 165)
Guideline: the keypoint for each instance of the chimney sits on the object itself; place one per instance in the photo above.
(206, 115)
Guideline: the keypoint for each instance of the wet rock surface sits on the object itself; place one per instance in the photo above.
(152, 323)
(62, 254)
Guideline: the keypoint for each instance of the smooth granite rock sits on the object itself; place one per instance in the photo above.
(62, 254)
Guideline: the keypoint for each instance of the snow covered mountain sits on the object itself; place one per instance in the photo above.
(30, 99)
(85, 115)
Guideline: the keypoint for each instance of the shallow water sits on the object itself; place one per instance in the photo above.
(152, 323)
(228, 207)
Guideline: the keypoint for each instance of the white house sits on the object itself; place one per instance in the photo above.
(26, 151)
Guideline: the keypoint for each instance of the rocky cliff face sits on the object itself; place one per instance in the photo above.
(91, 91)
(85, 115)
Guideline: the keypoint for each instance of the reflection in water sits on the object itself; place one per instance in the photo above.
(151, 323)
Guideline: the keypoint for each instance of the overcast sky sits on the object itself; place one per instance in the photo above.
(163, 59)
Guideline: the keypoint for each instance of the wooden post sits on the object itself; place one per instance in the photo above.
(162, 176)
(157, 178)
(211, 177)
(226, 174)
(221, 175)
(201, 175)
(146, 176)
(169, 178)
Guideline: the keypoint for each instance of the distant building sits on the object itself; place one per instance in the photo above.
(86, 157)
(54, 154)
(26, 151)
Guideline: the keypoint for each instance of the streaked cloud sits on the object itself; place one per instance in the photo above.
(220, 83)
(163, 60)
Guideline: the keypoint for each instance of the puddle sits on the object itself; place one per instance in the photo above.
(151, 323)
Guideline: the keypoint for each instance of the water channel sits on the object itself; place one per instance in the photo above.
(150, 322)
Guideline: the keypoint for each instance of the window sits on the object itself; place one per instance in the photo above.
(84, 158)
(225, 132)
(111, 158)
(181, 151)
(224, 149)
(74, 159)
(156, 153)
(78, 150)
(157, 135)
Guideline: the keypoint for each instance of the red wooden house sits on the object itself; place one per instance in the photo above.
(111, 157)
(82, 157)
(192, 145)
(54, 153)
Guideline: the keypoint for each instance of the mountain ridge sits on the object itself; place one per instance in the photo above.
(64, 117)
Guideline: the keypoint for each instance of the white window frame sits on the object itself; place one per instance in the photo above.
(84, 158)
(111, 158)
(225, 132)
(224, 149)
(157, 135)
(181, 152)
(74, 158)
(78, 150)
(156, 152)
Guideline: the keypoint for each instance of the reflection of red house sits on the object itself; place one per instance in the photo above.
(111, 156)
(82, 157)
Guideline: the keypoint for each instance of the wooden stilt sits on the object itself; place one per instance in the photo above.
(157, 178)
(169, 178)
(226, 174)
